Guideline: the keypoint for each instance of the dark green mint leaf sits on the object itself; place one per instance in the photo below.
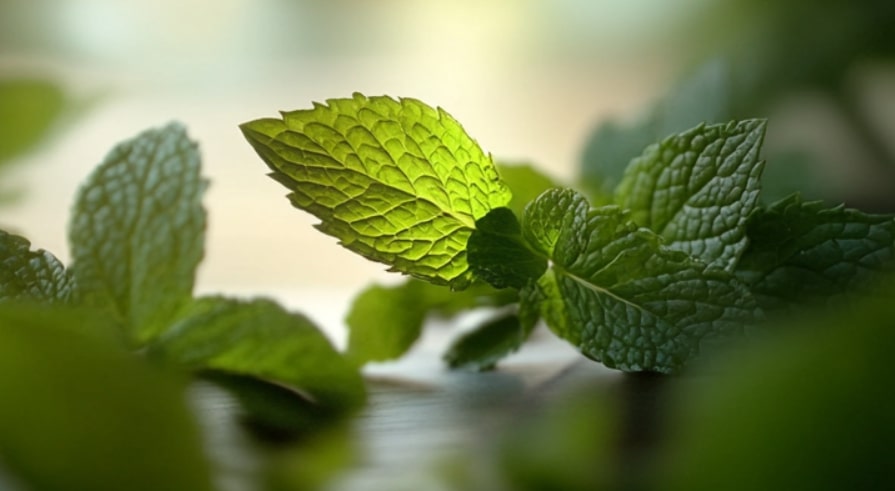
(481, 348)
(801, 252)
(31, 275)
(259, 338)
(385, 321)
(396, 181)
(618, 294)
(138, 228)
(80, 412)
(498, 254)
(697, 189)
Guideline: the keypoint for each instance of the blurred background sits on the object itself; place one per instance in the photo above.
(530, 80)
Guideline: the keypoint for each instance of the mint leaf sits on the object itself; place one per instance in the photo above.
(258, 338)
(499, 255)
(385, 321)
(481, 348)
(137, 230)
(619, 295)
(33, 275)
(801, 252)
(396, 181)
(696, 189)
(80, 412)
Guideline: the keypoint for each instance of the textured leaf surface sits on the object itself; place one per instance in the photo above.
(619, 295)
(499, 255)
(697, 189)
(481, 348)
(385, 321)
(800, 252)
(396, 181)
(33, 275)
(79, 412)
(258, 338)
(138, 228)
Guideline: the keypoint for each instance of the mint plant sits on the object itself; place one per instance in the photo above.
(137, 236)
(674, 257)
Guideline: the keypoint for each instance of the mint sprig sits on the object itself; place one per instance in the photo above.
(639, 285)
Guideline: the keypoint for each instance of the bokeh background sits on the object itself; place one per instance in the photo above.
(530, 80)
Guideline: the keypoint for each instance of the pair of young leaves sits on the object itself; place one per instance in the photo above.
(137, 237)
(683, 253)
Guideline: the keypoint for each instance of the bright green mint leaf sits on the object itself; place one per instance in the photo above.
(481, 348)
(80, 412)
(801, 252)
(396, 181)
(259, 339)
(618, 294)
(32, 275)
(137, 230)
(385, 321)
(525, 181)
(28, 109)
(697, 189)
(498, 254)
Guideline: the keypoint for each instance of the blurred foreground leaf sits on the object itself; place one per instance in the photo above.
(78, 413)
(810, 409)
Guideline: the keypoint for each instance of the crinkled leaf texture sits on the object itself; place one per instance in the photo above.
(696, 189)
(259, 338)
(138, 228)
(618, 294)
(31, 275)
(801, 252)
(396, 181)
(385, 321)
